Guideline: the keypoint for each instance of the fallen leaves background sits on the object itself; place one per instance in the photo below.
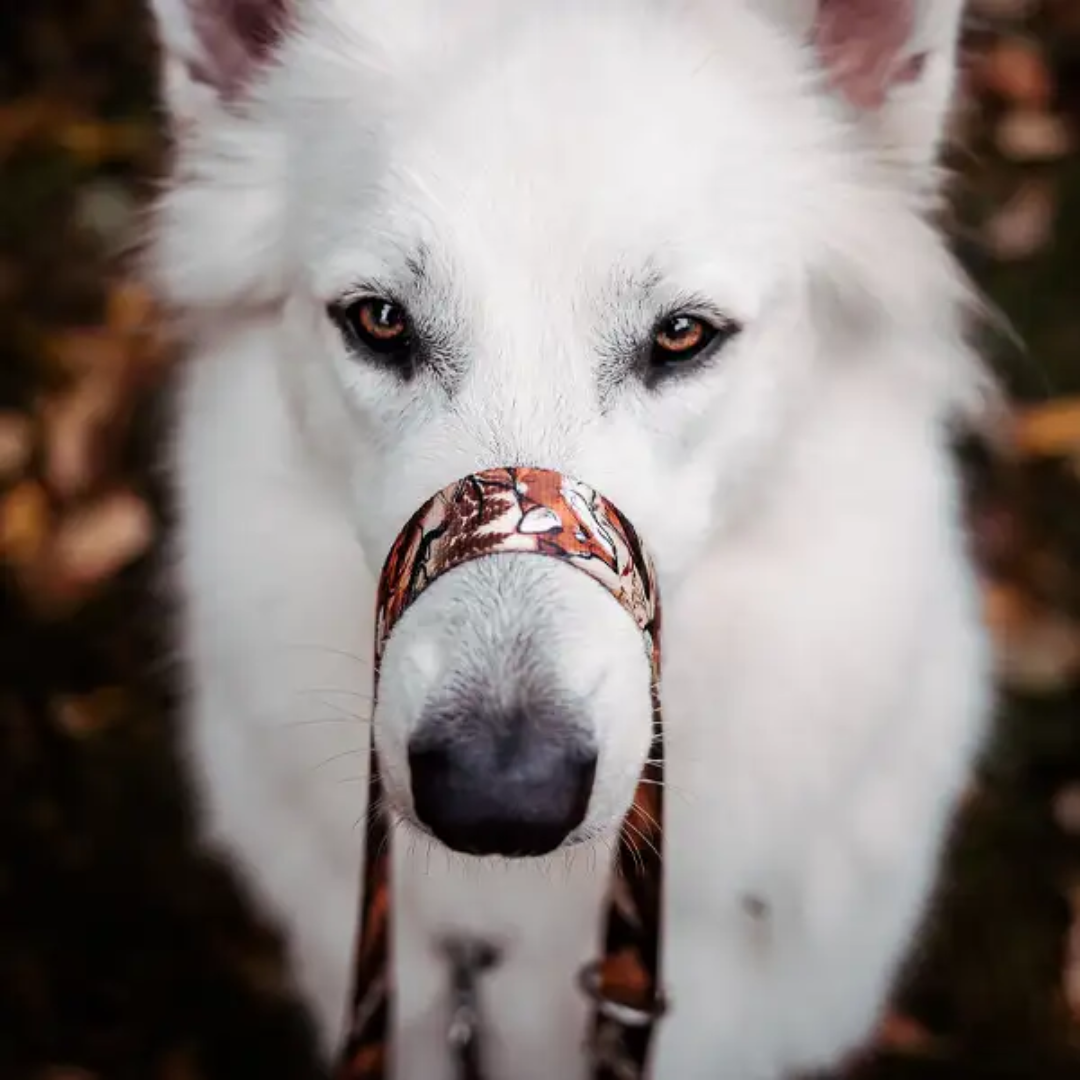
(125, 951)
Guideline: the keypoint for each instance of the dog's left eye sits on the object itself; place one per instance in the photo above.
(681, 337)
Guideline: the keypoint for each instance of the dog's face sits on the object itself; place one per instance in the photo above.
(589, 238)
(544, 259)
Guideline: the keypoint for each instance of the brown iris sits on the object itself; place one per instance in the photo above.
(380, 324)
(681, 337)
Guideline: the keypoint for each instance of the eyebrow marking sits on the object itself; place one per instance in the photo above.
(417, 266)
(443, 332)
(638, 284)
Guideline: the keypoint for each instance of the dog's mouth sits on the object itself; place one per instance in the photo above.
(583, 836)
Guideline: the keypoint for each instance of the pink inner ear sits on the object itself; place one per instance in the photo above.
(861, 43)
(236, 35)
(258, 23)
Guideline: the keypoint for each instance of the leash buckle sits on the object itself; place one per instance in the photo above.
(469, 959)
(591, 981)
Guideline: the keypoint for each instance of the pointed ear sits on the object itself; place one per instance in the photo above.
(211, 49)
(895, 61)
(216, 229)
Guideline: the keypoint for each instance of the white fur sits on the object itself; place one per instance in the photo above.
(825, 680)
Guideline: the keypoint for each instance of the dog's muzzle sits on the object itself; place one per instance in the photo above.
(537, 512)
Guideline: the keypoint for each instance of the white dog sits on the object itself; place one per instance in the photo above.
(682, 251)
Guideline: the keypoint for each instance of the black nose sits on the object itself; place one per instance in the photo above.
(510, 788)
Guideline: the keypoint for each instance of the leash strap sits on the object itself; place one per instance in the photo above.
(535, 511)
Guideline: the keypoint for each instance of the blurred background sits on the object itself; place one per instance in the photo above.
(125, 951)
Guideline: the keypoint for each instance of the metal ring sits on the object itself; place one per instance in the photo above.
(627, 1015)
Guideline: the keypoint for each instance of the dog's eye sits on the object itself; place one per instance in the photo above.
(683, 337)
(376, 324)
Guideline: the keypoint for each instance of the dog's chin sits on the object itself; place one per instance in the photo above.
(603, 835)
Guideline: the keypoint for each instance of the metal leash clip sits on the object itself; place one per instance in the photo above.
(590, 979)
(619, 1043)
(469, 959)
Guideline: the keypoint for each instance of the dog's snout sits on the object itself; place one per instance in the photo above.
(503, 786)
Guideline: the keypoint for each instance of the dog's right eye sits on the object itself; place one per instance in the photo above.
(376, 325)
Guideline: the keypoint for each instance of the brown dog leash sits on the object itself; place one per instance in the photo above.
(533, 511)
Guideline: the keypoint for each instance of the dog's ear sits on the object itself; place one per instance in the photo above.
(218, 231)
(895, 61)
(211, 49)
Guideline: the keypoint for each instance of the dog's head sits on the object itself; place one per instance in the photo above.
(617, 239)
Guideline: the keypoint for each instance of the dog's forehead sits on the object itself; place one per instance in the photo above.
(599, 135)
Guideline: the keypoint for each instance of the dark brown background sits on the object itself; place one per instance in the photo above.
(124, 951)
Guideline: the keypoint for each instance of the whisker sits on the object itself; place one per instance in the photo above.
(329, 649)
(347, 713)
(350, 720)
(647, 841)
(665, 784)
(379, 806)
(607, 842)
(384, 845)
(648, 844)
(633, 834)
(635, 854)
(646, 814)
(335, 690)
(339, 756)
(571, 857)
(359, 822)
